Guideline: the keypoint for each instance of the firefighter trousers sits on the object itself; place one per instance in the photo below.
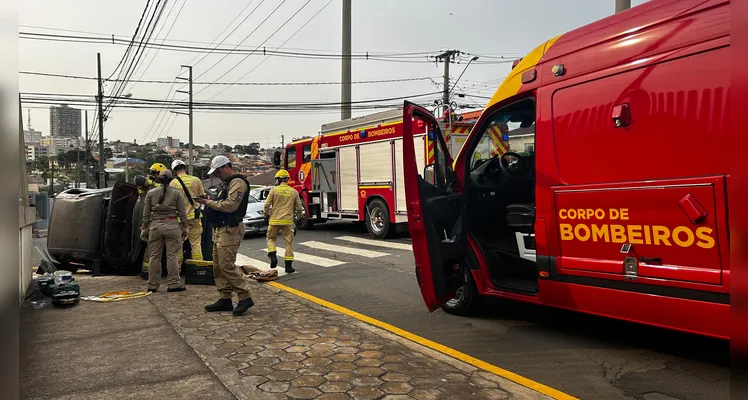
(287, 232)
(166, 235)
(195, 237)
(229, 279)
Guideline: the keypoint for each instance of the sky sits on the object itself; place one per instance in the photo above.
(490, 29)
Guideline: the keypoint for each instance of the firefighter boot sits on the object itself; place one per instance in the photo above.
(243, 305)
(273, 259)
(289, 268)
(220, 305)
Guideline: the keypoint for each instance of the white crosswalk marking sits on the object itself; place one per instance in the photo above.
(343, 249)
(378, 243)
(307, 258)
(241, 259)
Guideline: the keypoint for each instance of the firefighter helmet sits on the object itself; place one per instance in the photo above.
(157, 167)
(166, 175)
(282, 174)
(218, 162)
(176, 164)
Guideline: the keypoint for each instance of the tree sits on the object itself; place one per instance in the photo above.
(253, 148)
(108, 153)
(239, 149)
(227, 149)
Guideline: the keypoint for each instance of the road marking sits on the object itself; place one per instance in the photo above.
(308, 258)
(241, 259)
(343, 249)
(519, 379)
(378, 243)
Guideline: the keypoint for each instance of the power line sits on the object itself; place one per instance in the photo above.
(257, 48)
(132, 41)
(404, 57)
(53, 75)
(281, 46)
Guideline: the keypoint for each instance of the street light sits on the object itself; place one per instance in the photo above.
(463, 73)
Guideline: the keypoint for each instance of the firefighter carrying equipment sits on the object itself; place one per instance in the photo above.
(282, 174)
(219, 219)
(110, 297)
(218, 162)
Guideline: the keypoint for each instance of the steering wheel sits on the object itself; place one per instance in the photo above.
(509, 171)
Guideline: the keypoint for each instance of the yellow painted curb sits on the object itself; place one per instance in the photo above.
(538, 387)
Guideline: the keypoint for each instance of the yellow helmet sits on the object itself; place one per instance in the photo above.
(158, 167)
(282, 174)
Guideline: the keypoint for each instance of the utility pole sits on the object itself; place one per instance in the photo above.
(283, 142)
(78, 167)
(88, 151)
(622, 5)
(447, 57)
(189, 152)
(127, 158)
(52, 177)
(100, 99)
(345, 94)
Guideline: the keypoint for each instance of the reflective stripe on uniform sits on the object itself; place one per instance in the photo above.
(288, 258)
(281, 222)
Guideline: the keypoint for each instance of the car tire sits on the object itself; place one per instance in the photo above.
(378, 207)
(467, 299)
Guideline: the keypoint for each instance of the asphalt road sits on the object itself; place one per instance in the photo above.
(585, 356)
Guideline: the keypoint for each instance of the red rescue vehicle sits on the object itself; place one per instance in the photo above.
(614, 210)
(353, 170)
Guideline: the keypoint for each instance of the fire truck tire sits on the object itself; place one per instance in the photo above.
(467, 299)
(378, 227)
(305, 223)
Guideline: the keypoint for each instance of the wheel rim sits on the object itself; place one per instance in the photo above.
(459, 295)
(376, 219)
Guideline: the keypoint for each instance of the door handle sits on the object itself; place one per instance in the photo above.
(651, 260)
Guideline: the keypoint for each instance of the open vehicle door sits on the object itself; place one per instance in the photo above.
(435, 220)
(119, 245)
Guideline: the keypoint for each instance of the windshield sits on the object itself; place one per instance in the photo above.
(252, 198)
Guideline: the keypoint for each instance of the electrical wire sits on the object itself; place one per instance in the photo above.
(193, 63)
(279, 47)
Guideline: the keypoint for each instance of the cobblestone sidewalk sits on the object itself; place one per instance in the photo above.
(287, 347)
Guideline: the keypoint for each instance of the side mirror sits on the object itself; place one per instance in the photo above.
(443, 178)
(277, 159)
(429, 174)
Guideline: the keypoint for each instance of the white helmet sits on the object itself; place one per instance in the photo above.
(177, 163)
(218, 162)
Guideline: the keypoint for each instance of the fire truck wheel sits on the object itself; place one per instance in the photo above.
(378, 219)
(304, 223)
(466, 300)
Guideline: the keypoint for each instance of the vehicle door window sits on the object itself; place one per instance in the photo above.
(508, 129)
(290, 158)
(437, 172)
(307, 151)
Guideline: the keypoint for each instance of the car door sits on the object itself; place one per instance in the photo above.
(435, 212)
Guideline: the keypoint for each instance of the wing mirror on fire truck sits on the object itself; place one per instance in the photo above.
(277, 159)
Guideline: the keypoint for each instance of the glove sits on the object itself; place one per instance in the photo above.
(144, 236)
(184, 235)
(267, 220)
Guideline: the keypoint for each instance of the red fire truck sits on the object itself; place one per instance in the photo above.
(613, 212)
(353, 170)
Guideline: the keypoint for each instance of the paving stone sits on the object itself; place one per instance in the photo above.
(255, 379)
(493, 394)
(367, 381)
(370, 371)
(396, 388)
(342, 366)
(274, 387)
(334, 396)
(344, 357)
(335, 387)
(369, 362)
(427, 394)
(365, 393)
(266, 361)
(339, 376)
(287, 366)
(308, 381)
(303, 393)
(282, 375)
(395, 377)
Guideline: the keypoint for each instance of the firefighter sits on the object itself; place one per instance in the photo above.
(151, 181)
(226, 214)
(281, 206)
(164, 225)
(191, 187)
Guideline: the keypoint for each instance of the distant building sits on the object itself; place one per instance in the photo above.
(168, 142)
(64, 121)
(31, 136)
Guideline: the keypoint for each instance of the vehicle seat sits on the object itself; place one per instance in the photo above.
(521, 217)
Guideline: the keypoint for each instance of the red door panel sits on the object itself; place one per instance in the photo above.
(668, 240)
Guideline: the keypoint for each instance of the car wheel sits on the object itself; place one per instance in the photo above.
(466, 300)
(378, 219)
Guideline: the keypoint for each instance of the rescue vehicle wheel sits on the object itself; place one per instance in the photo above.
(378, 219)
(304, 223)
(466, 300)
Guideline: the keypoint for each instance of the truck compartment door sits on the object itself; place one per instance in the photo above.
(664, 230)
(435, 219)
(323, 175)
(348, 173)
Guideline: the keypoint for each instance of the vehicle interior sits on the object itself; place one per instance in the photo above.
(500, 192)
